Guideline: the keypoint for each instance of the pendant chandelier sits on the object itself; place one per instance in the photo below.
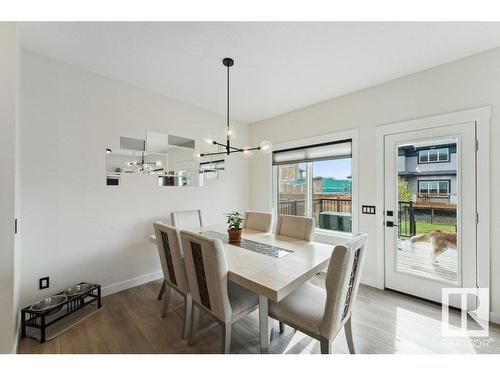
(265, 147)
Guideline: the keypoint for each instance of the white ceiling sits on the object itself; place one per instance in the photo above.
(279, 66)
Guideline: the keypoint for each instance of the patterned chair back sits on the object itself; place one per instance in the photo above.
(171, 255)
(342, 283)
(207, 271)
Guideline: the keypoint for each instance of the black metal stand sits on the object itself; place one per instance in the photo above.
(43, 319)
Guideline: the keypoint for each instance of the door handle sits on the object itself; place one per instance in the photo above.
(391, 224)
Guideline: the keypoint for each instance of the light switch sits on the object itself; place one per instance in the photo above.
(369, 210)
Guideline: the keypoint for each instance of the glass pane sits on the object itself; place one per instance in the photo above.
(433, 187)
(423, 186)
(331, 203)
(424, 156)
(427, 233)
(433, 155)
(292, 189)
(443, 154)
(443, 186)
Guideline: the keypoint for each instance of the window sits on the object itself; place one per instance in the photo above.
(435, 155)
(316, 182)
(292, 189)
(436, 186)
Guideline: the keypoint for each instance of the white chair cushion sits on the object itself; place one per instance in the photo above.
(305, 307)
(240, 298)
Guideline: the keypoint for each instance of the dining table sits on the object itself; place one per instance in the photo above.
(270, 265)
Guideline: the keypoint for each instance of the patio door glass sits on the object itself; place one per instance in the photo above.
(430, 228)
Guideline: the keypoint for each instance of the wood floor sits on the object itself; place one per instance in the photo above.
(383, 322)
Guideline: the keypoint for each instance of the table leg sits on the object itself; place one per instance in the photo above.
(264, 325)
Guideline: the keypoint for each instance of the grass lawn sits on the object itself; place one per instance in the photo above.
(423, 227)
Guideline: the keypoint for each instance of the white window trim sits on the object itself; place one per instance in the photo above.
(322, 235)
(481, 116)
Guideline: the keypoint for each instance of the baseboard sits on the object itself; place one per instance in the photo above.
(373, 282)
(127, 284)
(494, 317)
(15, 347)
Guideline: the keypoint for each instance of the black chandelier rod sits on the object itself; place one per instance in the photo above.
(228, 97)
(230, 151)
(223, 145)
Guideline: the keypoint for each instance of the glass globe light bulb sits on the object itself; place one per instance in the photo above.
(197, 155)
(266, 147)
(247, 153)
(231, 134)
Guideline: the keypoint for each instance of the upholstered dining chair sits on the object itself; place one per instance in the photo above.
(180, 220)
(299, 227)
(212, 292)
(174, 270)
(322, 313)
(186, 219)
(258, 221)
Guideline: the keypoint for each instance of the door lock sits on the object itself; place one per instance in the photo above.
(391, 224)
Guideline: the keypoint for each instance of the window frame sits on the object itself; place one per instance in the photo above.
(322, 235)
(427, 152)
(448, 182)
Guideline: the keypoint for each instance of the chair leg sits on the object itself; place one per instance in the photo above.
(162, 290)
(325, 346)
(195, 316)
(282, 327)
(226, 337)
(186, 328)
(348, 335)
(166, 300)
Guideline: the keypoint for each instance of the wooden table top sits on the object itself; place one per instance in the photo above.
(272, 277)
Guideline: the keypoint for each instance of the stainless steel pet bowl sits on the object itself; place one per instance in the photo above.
(49, 303)
(78, 289)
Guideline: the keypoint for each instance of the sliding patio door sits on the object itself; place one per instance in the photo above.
(430, 210)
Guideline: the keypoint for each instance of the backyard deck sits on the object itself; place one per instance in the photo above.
(416, 259)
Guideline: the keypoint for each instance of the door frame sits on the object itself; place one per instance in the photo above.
(481, 116)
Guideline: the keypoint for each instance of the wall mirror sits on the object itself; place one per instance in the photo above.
(169, 157)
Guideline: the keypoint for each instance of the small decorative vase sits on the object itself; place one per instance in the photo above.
(234, 235)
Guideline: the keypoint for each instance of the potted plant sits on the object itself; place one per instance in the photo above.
(234, 220)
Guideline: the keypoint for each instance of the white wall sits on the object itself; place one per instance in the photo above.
(467, 83)
(9, 189)
(75, 228)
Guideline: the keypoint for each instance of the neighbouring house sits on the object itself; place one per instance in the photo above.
(430, 170)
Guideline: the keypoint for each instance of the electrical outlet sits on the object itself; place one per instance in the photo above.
(43, 283)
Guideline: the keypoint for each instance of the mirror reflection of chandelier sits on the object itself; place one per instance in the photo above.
(143, 166)
(265, 147)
